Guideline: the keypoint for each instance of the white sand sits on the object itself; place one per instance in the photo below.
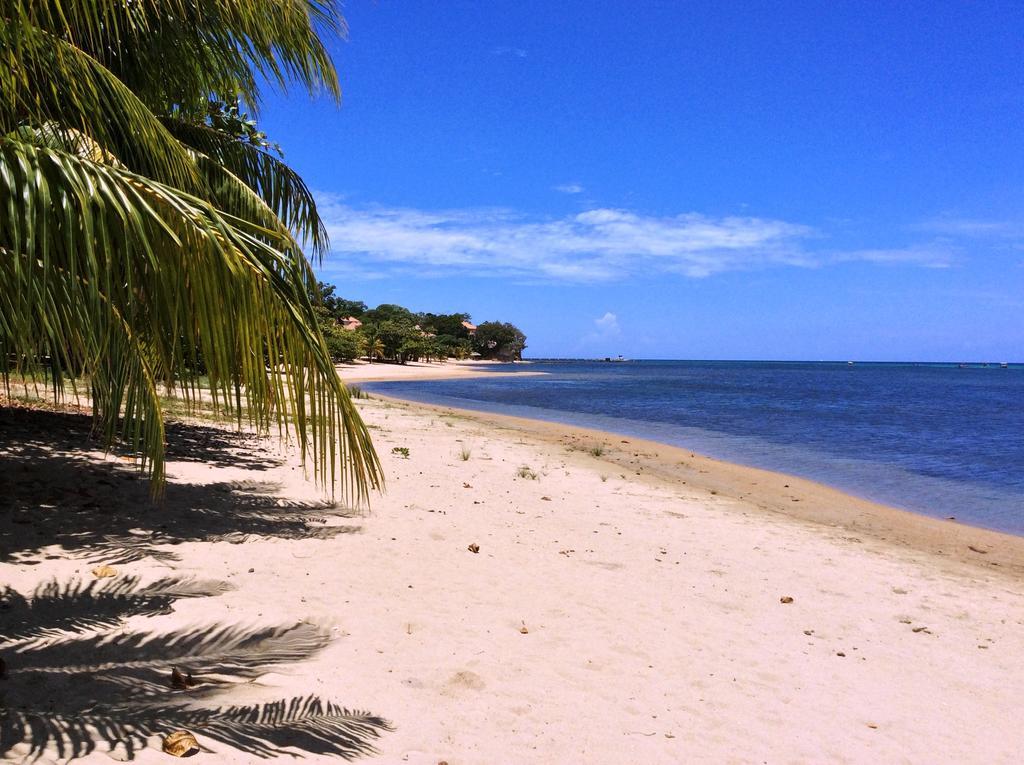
(362, 371)
(655, 631)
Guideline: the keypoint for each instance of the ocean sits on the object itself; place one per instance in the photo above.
(933, 438)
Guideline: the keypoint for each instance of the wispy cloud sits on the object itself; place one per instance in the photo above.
(508, 50)
(936, 255)
(598, 245)
(570, 188)
(972, 228)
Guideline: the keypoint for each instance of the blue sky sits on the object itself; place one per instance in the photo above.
(681, 179)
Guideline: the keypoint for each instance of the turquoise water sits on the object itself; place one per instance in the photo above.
(933, 438)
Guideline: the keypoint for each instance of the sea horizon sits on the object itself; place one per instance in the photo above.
(901, 362)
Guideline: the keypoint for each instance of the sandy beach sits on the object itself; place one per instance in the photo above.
(517, 595)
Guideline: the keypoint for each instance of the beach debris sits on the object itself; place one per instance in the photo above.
(181, 743)
(523, 629)
(785, 599)
(972, 548)
(179, 681)
(840, 654)
(102, 572)
(872, 726)
(466, 485)
(546, 499)
(474, 548)
(922, 629)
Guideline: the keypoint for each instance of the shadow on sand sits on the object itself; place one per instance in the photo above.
(58, 500)
(74, 678)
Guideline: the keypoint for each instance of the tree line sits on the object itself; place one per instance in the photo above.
(395, 334)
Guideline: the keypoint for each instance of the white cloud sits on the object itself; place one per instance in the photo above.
(508, 50)
(570, 188)
(608, 325)
(597, 245)
(972, 228)
(930, 256)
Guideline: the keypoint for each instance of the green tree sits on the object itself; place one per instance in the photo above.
(146, 224)
(389, 312)
(499, 340)
(339, 308)
(445, 324)
(397, 336)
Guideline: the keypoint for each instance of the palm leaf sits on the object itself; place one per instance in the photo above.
(280, 187)
(178, 52)
(106, 271)
(46, 79)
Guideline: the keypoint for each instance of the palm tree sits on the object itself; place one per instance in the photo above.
(147, 228)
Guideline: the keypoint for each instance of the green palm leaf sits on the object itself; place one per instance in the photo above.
(280, 187)
(178, 52)
(105, 271)
(127, 253)
(47, 80)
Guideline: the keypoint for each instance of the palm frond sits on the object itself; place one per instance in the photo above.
(280, 187)
(175, 51)
(106, 271)
(47, 80)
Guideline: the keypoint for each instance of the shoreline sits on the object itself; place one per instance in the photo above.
(361, 371)
(802, 499)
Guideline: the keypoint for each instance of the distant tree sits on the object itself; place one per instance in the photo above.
(499, 340)
(389, 312)
(397, 336)
(445, 324)
(339, 308)
(343, 345)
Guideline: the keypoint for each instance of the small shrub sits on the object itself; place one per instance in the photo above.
(402, 451)
(356, 392)
(596, 450)
(465, 453)
(525, 472)
(604, 479)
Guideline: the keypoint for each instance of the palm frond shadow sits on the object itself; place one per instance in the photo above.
(294, 726)
(69, 692)
(56, 609)
(62, 501)
(125, 669)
